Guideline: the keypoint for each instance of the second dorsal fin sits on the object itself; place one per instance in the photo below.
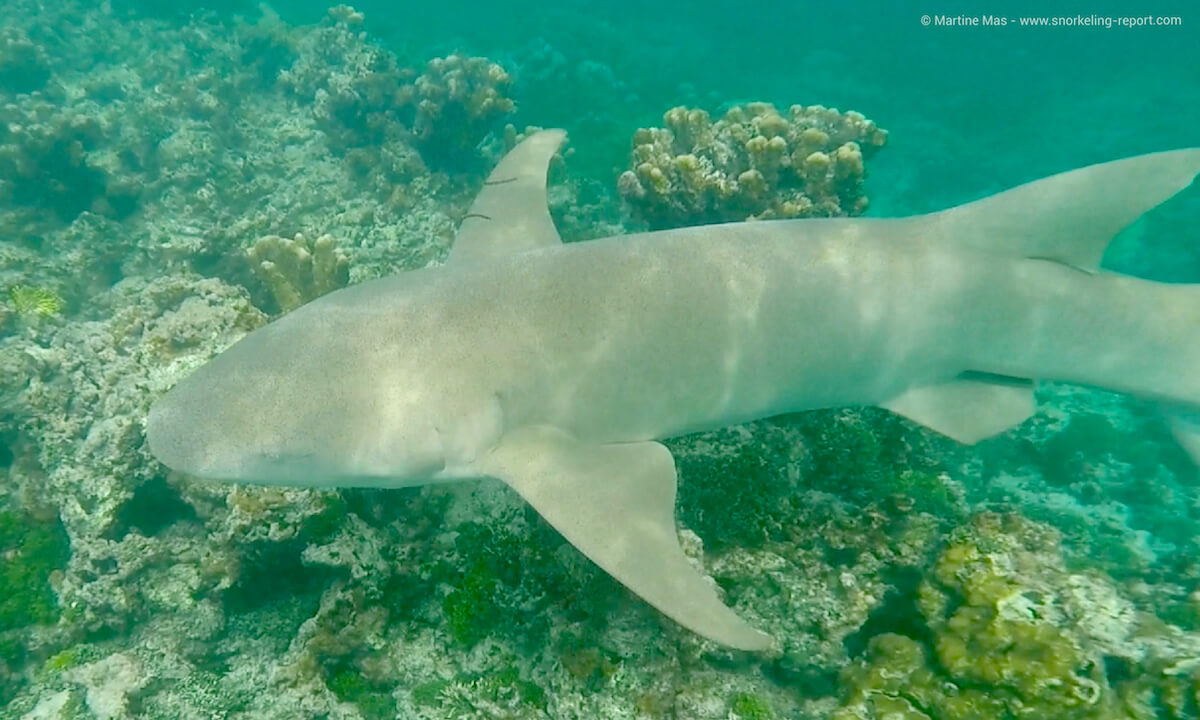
(1070, 217)
(510, 214)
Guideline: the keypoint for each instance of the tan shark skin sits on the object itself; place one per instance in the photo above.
(557, 368)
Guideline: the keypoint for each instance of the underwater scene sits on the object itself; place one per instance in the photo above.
(584, 361)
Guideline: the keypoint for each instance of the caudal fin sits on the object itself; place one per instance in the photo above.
(1068, 218)
(1072, 216)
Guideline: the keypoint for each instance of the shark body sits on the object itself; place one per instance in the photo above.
(557, 368)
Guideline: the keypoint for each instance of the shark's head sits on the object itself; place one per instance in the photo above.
(298, 402)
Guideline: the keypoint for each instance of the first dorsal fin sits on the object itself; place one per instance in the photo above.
(1069, 217)
(510, 214)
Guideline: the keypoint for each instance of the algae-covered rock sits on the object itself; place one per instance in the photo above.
(752, 163)
(32, 549)
(898, 682)
(24, 65)
(1008, 630)
(1003, 614)
(53, 157)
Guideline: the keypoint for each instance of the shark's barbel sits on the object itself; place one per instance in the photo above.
(557, 368)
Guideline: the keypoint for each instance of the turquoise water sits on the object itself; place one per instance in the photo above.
(174, 178)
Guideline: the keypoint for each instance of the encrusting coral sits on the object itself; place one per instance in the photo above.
(1008, 630)
(297, 270)
(752, 163)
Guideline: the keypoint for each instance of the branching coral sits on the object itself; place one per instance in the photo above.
(296, 270)
(752, 163)
(365, 100)
(360, 94)
(459, 99)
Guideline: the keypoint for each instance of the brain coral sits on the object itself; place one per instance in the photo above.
(752, 163)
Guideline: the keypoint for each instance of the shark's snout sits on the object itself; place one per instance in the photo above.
(183, 430)
(164, 437)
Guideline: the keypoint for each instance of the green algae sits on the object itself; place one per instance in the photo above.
(32, 549)
(505, 580)
(733, 500)
(471, 608)
(476, 604)
(745, 495)
(748, 706)
(350, 686)
(35, 303)
(868, 454)
(63, 660)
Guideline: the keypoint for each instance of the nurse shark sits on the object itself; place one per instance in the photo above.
(557, 368)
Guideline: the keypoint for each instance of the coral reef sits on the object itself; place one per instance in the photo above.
(365, 100)
(357, 91)
(1104, 469)
(459, 99)
(158, 150)
(230, 138)
(1007, 630)
(752, 163)
(154, 175)
(53, 158)
(297, 270)
(24, 65)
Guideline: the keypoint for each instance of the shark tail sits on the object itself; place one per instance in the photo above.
(1092, 327)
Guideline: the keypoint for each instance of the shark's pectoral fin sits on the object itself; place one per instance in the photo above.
(510, 214)
(967, 410)
(616, 504)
